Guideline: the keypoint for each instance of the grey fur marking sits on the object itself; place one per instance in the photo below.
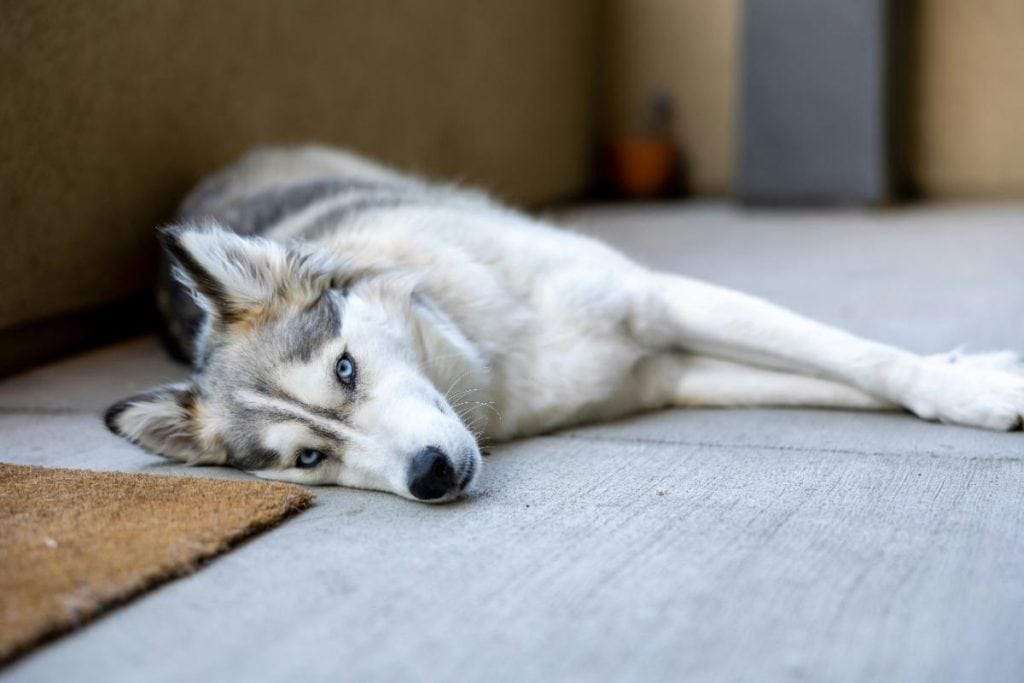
(247, 452)
(275, 392)
(256, 214)
(340, 215)
(252, 456)
(310, 330)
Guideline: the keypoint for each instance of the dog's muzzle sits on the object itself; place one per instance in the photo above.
(433, 476)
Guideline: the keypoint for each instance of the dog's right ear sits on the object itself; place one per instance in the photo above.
(166, 421)
(233, 275)
(229, 274)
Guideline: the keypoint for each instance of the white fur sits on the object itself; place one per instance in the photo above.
(311, 382)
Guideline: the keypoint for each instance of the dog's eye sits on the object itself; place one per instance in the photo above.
(345, 369)
(309, 458)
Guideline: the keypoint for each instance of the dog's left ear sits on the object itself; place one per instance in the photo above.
(165, 420)
(233, 275)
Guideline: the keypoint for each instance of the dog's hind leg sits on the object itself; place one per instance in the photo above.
(676, 313)
(679, 379)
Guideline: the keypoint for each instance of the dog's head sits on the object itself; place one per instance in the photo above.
(310, 370)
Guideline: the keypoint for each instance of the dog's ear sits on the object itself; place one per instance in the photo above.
(165, 421)
(233, 275)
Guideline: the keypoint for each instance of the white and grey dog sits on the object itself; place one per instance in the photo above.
(352, 325)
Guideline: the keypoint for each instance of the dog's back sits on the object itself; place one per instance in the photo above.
(240, 195)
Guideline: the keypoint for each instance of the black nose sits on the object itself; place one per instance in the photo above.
(431, 474)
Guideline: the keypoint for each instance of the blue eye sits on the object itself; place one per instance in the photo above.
(346, 370)
(309, 458)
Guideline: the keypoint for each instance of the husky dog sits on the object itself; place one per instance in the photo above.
(356, 326)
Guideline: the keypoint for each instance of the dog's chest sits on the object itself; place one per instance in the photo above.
(574, 364)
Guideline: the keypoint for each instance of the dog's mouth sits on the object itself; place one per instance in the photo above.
(466, 473)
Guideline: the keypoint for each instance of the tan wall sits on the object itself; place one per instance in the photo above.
(967, 99)
(968, 139)
(689, 49)
(110, 109)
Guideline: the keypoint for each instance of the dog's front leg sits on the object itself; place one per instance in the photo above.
(680, 313)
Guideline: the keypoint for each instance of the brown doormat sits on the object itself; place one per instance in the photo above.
(74, 543)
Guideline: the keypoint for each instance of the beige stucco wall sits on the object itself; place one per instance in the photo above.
(110, 109)
(967, 97)
(968, 140)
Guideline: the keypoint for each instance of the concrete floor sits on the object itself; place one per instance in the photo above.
(747, 545)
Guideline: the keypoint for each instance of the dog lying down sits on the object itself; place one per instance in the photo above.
(352, 325)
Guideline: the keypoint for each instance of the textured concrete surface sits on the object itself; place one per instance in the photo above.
(758, 545)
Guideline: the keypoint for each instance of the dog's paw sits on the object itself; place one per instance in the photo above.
(980, 390)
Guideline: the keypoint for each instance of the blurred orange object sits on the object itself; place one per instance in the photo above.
(642, 167)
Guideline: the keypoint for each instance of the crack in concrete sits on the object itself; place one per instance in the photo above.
(785, 448)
